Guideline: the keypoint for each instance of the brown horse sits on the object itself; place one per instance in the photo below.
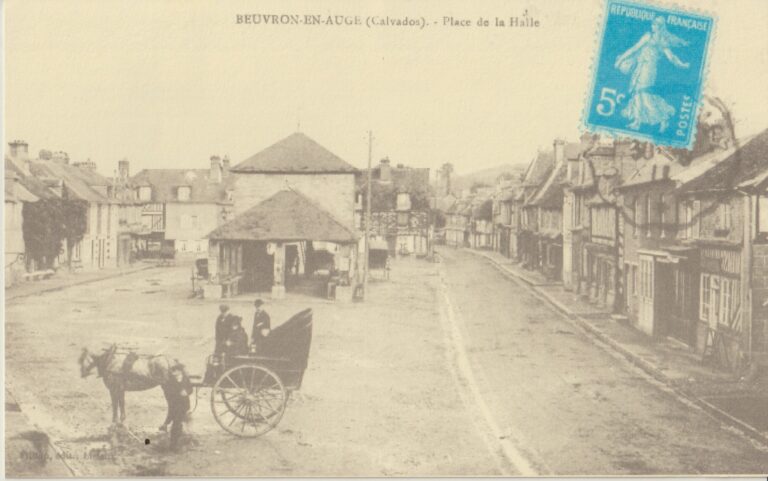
(127, 371)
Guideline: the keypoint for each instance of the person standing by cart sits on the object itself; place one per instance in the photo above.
(223, 326)
(180, 388)
(262, 325)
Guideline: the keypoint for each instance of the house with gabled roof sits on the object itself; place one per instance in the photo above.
(724, 200)
(21, 187)
(522, 235)
(180, 206)
(106, 242)
(293, 222)
(400, 207)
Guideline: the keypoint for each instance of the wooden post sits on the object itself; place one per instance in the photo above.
(278, 283)
(367, 217)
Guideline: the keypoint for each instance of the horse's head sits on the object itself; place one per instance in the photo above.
(87, 363)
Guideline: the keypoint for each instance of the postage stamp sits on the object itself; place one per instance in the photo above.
(649, 73)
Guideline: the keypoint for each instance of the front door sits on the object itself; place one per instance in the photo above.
(646, 311)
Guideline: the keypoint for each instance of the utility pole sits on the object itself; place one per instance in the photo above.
(368, 216)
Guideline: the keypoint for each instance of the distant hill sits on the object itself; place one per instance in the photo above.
(487, 176)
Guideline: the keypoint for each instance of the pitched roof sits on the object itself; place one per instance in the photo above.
(731, 167)
(166, 182)
(78, 181)
(539, 168)
(296, 153)
(286, 216)
(36, 188)
(551, 193)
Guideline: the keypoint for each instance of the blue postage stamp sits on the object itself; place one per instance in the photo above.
(649, 73)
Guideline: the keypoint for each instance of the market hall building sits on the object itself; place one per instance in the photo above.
(294, 224)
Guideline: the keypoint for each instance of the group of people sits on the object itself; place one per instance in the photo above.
(231, 338)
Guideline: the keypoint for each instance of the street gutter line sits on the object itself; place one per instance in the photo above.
(78, 283)
(512, 454)
(608, 344)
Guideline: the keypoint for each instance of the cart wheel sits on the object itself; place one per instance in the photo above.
(248, 400)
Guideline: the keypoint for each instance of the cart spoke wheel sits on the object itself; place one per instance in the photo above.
(248, 400)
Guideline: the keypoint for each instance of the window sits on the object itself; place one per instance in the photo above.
(705, 298)
(724, 216)
(691, 219)
(109, 219)
(98, 219)
(762, 213)
(402, 219)
(719, 300)
(145, 193)
(635, 215)
(662, 215)
(648, 210)
(183, 192)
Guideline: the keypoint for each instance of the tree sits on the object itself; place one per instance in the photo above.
(42, 230)
(74, 224)
(49, 222)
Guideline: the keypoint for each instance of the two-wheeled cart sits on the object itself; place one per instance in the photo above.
(249, 393)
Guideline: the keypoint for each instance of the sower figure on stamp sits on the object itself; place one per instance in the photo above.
(645, 105)
(261, 326)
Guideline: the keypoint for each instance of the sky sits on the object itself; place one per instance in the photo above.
(170, 83)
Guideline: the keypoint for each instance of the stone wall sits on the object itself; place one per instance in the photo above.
(759, 297)
(334, 193)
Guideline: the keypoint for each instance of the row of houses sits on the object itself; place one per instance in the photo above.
(278, 215)
(674, 241)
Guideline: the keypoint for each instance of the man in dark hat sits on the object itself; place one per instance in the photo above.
(262, 325)
(237, 340)
(222, 327)
(177, 392)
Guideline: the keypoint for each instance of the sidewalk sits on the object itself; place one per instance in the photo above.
(28, 451)
(64, 279)
(666, 360)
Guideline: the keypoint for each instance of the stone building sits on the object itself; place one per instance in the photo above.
(180, 206)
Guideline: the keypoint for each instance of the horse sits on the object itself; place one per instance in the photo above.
(127, 371)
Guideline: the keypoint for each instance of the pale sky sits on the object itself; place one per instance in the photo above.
(170, 83)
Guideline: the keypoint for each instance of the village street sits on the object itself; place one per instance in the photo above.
(449, 368)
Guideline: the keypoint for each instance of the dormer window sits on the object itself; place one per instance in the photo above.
(183, 192)
(403, 201)
(145, 193)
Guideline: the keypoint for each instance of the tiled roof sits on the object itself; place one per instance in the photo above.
(286, 216)
(731, 167)
(539, 168)
(78, 181)
(36, 188)
(551, 193)
(296, 153)
(165, 184)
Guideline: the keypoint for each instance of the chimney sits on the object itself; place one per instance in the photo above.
(559, 152)
(123, 169)
(87, 165)
(385, 171)
(60, 157)
(225, 166)
(19, 150)
(45, 154)
(215, 173)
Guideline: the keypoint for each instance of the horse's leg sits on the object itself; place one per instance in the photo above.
(122, 406)
(113, 396)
